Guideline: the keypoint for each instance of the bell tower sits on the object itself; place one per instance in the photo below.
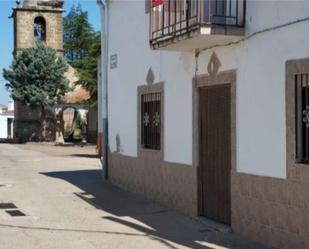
(38, 21)
(35, 21)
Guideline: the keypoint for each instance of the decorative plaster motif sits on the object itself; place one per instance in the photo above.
(150, 77)
(213, 65)
(156, 119)
(146, 119)
(306, 116)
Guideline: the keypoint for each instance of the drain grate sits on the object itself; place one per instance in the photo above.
(7, 205)
(15, 213)
(207, 230)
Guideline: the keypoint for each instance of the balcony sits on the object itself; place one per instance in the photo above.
(186, 25)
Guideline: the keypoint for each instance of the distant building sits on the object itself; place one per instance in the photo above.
(6, 121)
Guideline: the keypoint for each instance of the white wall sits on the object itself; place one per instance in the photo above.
(3, 126)
(134, 59)
(260, 64)
(11, 105)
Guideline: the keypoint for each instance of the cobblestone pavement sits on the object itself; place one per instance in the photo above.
(61, 202)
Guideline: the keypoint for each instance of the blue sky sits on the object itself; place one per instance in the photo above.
(6, 33)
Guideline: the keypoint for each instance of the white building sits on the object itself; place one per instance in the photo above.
(6, 121)
(208, 110)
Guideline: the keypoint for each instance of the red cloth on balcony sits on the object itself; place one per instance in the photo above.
(156, 3)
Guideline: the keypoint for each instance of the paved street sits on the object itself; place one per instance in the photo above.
(66, 205)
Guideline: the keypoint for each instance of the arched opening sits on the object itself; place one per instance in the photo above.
(69, 116)
(74, 124)
(39, 29)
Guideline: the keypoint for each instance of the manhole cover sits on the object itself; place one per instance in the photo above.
(15, 213)
(7, 205)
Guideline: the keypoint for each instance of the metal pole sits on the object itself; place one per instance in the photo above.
(104, 91)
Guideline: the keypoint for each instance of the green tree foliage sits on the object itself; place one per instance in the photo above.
(36, 78)
(82, 48)
(77, 34)
(87, 70)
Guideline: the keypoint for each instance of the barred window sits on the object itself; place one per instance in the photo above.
(151, 121)
(302, 117)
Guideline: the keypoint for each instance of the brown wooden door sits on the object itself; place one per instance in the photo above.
(215, 153)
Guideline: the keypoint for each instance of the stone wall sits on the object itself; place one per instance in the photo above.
(24, 33)
(271, 211)
(171, 184)
(28, 124)
(92, 124)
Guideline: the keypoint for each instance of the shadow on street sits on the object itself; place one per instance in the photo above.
(162, 224)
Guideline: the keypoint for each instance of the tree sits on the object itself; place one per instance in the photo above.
(88, 70)
(77, 35)
(36, 79)
(82, 47)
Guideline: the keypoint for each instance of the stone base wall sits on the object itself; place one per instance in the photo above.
(27, 131)
(92, 122)
(268, 210)
(271, 211)
(28, 127)
(170, 184)
(92, 137)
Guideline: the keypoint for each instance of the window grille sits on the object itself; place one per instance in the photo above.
(302, 117)
(151, 121)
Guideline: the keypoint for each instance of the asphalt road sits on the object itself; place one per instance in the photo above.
(65, 204)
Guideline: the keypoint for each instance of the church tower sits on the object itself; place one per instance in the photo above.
(38, 21)
(35, 21)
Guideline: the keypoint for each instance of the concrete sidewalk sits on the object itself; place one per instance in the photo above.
(67, 205)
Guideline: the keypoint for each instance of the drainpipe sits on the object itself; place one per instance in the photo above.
(99, 107)
(103, 4)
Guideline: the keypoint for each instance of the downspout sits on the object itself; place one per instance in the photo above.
(99, 108)
(104, 89)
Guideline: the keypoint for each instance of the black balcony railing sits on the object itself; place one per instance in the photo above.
(172, 18)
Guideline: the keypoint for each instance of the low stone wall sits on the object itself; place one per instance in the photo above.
(170, 184)
(92, 137)
(271, 211)
(27, 124)
(27, 131)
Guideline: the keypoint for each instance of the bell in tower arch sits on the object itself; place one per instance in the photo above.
(39, 29)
